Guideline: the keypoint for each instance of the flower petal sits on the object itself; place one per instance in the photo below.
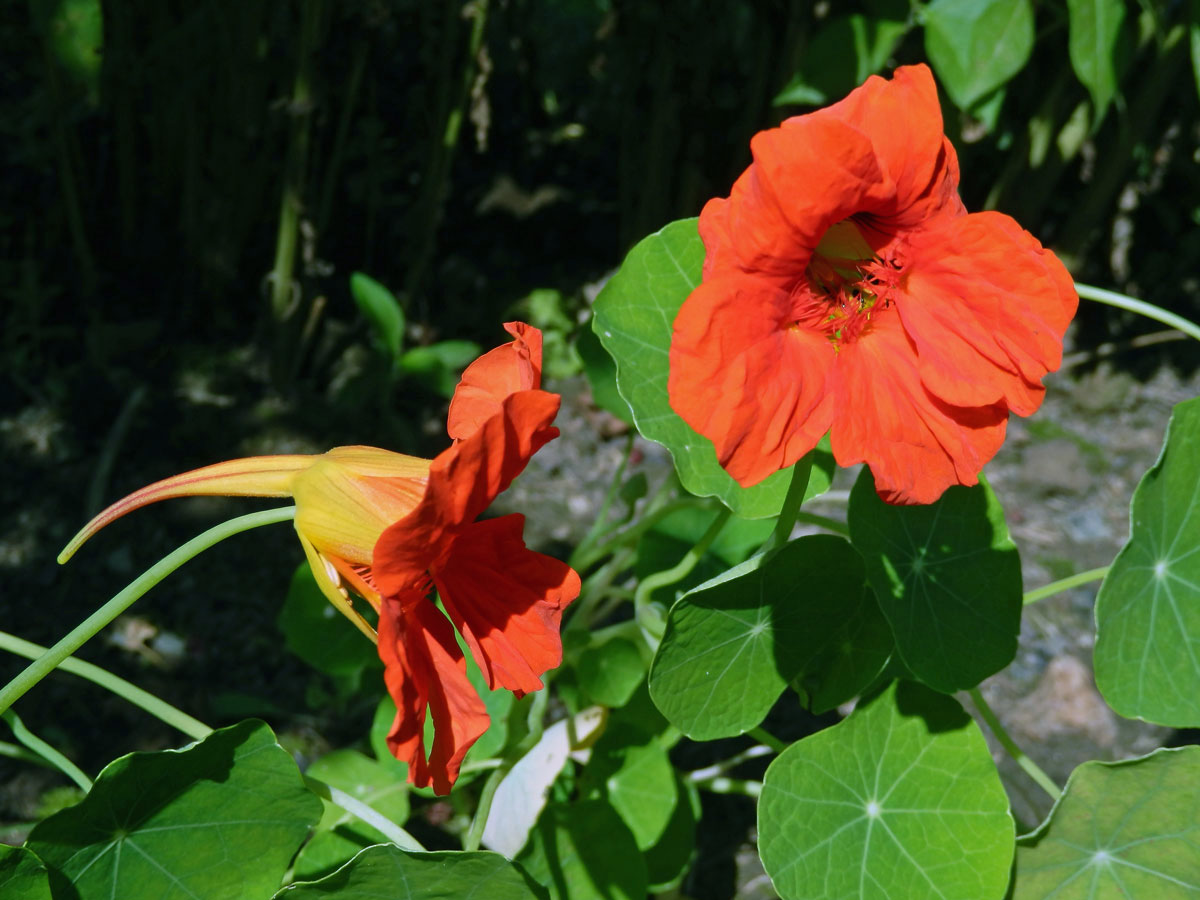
(463, 481)
(986, 307)
(916, 445)
(506, 601)
(747, 378)
(515, 366)
(424, 668)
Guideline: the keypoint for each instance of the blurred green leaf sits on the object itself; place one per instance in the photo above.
(1123, 829)
(22, 875)
(382, 310)
(221, 818)
(611, 672)
(585, 852)
(633, 318)
(733, 644)
(900, 800)
(947, 577)
(977, 45)
(318, 633)
(438, 366)
(1097, 49)
(1147, 618)
(601, 374)
(388, 871)
(341, 835)
(631, 769)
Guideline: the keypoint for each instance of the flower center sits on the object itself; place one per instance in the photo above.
(844, 285)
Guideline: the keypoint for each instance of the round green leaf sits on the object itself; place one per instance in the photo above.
(388, 871)
(732, 645)
(638, 780)
(22, 875)
(947, 577)
(1147, 619)
(221, 818)
(601, 374)
(667, 861)
(1124, 829)
(633, 318)
(847, 657)
(585, 852)
(381, 309)
(977, 45)
(901, 800)
(611, 672)
(318, 633)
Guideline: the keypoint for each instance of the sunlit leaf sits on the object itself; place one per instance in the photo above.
(947, 577)
(977, 45)
(1147, 619)
(1123, 829)
(222, 818)
(633, 772)
(1096, 48)
(611, 672)
(585, 852)
(900, 800)
(318, 633)
(633, 318)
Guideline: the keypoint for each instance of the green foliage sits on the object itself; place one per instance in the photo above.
(583, 851)
(1123, 829)
(1098, 46)
(381, 310)
(1147, 620)
(947, 577)
(899, 800)
(976, 46)
(221, 818)
(22, 875)
(321, 636)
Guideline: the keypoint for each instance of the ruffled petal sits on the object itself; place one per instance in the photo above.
(745, 376)
(463, 482)
(986, 307)
(916, 445)
(506, 601)
(515, 366)
(806, 176)
(425, 669)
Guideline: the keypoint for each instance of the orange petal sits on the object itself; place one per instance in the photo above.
(986, 307)
(463, 482)
(506, 601)
(916, 445)
(425, 669)
(747, 378)
(515, 366)
(256, 476)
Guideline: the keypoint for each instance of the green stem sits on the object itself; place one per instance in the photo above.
(641, 598)
(834, 525)
(16, 751)
(614, 486)
(722, 785)
(1065, 584)
(360, 810)
(791, 505)
(49, 661)
(763, 736)
(483, 810)
(1149, 310)
(160, 709)
(635, 531)
(700, 776)
(1031, 768)
(44, 750)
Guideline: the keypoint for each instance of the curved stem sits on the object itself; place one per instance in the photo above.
(1032, 769)
(651, 583)
(763, 736)
(78, 636)
(699, 776)
(722, 785)
(484, 808)
(160, 709)
(635, 531)
(791, 504)
(45, 751)
(360, 810)
(835, 525)
(1149, 310)
(1065, 584)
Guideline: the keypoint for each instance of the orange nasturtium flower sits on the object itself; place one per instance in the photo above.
(389, 528)
(846, 290)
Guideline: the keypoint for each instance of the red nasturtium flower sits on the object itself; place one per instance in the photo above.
(389, 528)
(846, 290)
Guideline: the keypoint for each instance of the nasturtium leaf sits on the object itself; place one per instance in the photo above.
(947, 577)
(601, 374)
(22, 875)
(732, 645)
(1123, 829)
(611, 672)
(634, 773)
(633, 318)
(900, 800)
(1096, 48)
(386, 871)
(1147, 652)
(667, 861)
(221, 818)
(437, 366)
(585, 852)
(340, 835)
(977, 45)
(380, 307)
(847, 657)
(318, 633)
